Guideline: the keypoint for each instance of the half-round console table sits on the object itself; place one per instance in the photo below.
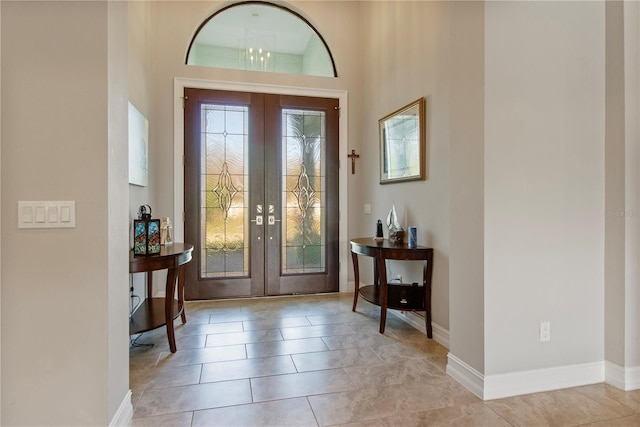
(405, 297)
(155, 312)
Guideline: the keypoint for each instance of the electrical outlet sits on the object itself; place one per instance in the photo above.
(545, 331)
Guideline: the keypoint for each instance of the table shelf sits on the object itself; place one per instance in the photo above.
(414, 302)
(150, 315)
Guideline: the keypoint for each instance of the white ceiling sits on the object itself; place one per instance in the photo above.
(257, 26)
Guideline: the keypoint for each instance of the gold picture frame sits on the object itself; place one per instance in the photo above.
(402, 144)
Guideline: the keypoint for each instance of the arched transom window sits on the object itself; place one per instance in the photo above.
(261, 36)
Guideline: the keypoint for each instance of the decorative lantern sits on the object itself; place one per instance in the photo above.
(146, 233)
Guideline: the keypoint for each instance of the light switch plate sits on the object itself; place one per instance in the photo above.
(46, 214)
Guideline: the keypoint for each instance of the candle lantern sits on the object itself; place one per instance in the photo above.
(146, 233)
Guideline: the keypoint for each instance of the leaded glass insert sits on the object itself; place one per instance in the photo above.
(303, 179)
(224, 196)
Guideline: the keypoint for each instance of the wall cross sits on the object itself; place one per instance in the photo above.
(353, 156)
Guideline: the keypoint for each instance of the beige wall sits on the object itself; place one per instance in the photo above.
(405, 51)
(544, 184)
(466, 186)
(615, 187)
(632, 191)
(140, 95)
(118, 398)
(64, 337)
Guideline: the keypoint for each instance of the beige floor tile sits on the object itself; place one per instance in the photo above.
(161, 343)
(193, 397)
(394, 352)
(277, 348)
(202, 355)
(338, 342)
(247, 368)
(369, 326)
(238, 316)
(261, 335)
(555, 409)
(170, 377)
(349, 317)
(335, 359)
(298, 385)
(440, 362)
(284, 322)
(380, 402)
(630, 421)
(183, 419)
(619, 401)
(283, 312)
(143, 357)
(475, 414)
(400, 372)
(209, 328)
(367, 423)
(288, 412)
(316, 331)
(197, 318)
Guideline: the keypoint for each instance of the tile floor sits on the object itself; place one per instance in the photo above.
(311, 361)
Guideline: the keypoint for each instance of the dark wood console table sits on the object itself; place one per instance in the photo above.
(378, 293)
(155, 312)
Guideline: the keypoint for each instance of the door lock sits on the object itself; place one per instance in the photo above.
(271, 219)
(258, 220)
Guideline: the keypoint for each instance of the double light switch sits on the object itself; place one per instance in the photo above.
(46, 214)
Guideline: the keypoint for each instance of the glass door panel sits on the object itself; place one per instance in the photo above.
(225, 199)
(303, 142)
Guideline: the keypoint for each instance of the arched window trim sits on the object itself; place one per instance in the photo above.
(263, 3)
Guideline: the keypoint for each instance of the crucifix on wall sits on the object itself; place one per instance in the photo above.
(353, 156)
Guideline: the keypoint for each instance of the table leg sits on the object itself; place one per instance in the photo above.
(181, 273)
(149, 278)
(382, 270)
(168, 307)
(356, 277)
(426, 283)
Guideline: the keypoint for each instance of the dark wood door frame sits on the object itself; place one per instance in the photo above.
(256, 284)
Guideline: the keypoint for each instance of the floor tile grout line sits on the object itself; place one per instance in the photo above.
(315, 416)
(498, 414)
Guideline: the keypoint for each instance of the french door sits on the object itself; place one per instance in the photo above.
(261, 194)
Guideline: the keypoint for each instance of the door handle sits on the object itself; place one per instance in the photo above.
(271, 219)
(258, 220)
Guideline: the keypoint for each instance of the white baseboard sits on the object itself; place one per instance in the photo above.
(622, 378)
(123, 415)
(465, 375)
(523, 382)
(526, 382)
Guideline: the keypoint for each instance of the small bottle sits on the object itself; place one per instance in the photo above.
(379, 229)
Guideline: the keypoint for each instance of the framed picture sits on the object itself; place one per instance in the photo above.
(402, 144)
(138, 148)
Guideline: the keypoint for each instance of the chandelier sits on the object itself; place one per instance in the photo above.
(257, 59)
(254, 51)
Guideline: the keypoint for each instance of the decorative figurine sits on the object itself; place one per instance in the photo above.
(396, 232)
